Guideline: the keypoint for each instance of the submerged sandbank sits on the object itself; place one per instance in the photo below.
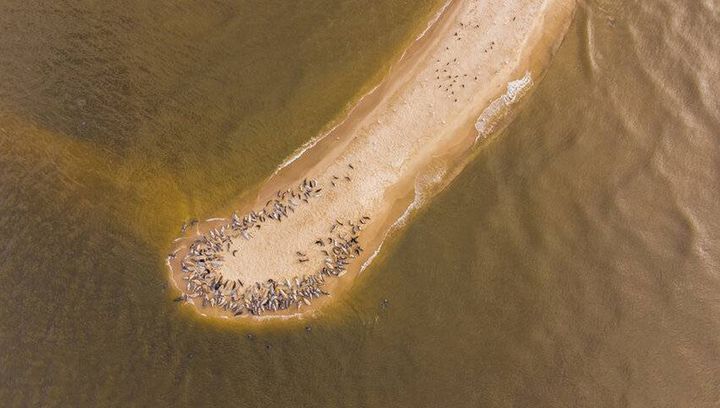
(324, 214)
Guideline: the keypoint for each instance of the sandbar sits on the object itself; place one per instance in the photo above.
(320, 219)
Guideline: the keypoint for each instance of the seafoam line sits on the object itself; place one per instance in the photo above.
(489, 118)
(435, 19)
(312, 142)
(419, 200)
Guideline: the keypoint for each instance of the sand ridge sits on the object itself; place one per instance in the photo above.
(364, 173)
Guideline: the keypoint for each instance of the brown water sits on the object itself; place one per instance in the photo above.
(581, 244)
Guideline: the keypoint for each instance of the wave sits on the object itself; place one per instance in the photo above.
(490, 117)
(485, 125)
(434, 20)
(312, 142)
(423, 190)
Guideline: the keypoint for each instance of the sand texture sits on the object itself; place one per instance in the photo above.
(321, 218)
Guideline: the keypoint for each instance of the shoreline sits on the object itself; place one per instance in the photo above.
(315, 140)
(419, 138)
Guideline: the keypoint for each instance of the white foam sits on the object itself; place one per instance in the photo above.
(422, 187)
(434, 20)
(484, 126)
(312, 142)
(487, 121)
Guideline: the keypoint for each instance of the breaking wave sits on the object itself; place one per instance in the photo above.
(424, 186)
(485, 125)
(490, 117)
(315, 140)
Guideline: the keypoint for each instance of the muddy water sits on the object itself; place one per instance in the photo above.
(580, 247)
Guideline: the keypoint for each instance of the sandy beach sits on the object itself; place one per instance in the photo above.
(321, 218)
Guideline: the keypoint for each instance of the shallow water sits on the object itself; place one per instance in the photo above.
(573, 263)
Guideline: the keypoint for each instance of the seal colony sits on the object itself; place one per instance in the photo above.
(205, 281)
(408, 137)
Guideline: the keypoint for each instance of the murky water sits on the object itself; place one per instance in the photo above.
(581, 244)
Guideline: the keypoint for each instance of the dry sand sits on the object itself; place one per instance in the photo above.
(412, 134)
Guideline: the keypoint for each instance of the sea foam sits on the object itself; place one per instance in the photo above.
(489, 118)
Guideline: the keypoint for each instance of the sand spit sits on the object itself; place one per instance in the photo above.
(326, 212)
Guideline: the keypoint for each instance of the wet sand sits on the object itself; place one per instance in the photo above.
(402, 143)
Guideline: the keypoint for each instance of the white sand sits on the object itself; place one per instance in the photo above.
(405, 128)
